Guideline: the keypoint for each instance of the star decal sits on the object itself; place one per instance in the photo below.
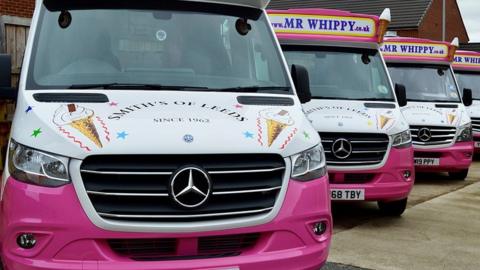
(307, 136)
(122, 135)
(238, 106)
(113, 104)
(36, 132)
(248, 135)
(29, 109)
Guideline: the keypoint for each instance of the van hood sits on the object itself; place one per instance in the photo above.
(474, 110)
(355, 116)
(432, 114)
(167, 122)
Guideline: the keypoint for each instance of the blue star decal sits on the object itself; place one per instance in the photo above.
(248, 135)
(29, 109)
(122, 135)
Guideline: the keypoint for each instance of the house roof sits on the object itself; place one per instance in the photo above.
(470, 47)
(405, 14)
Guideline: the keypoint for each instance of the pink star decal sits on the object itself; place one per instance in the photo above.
(113, 104)
(238, 106)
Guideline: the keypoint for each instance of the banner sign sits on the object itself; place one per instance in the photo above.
(323, 25)
(467, 60)
(414, 49)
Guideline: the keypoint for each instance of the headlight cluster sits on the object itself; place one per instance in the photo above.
(402, 139)
(37, 168)
(465, 133)
(309, 165)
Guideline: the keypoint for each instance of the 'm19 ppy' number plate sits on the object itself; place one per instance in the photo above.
(347, 194)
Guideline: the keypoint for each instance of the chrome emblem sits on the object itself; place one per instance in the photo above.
(190, 187)
(424, 134)
(342, 148)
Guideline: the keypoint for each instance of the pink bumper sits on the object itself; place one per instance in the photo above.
(452, 159)
(476, 139)
(68, 240)
(384, 184)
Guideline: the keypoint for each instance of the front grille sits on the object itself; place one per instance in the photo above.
(183, 249)
(136, 188)
(476, 124)
(437, 135)
(367, 148)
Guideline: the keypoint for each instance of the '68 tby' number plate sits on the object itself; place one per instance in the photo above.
(347, 194)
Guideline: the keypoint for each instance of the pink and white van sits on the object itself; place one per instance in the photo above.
(467, 71)
(439, 122)
(156, 135)
(354, 106)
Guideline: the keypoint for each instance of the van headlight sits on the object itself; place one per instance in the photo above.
(36, 167)
(465, 133)
(402, 139)
(309, 165)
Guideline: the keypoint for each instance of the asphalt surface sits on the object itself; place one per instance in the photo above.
(439, 230)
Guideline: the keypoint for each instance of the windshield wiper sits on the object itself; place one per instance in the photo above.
(132, 86)
(253, 89)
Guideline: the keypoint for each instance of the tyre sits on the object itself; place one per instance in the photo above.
(460, 175)
(394, 208)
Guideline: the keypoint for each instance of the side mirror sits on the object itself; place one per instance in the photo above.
(401, 94)
(7, 92)
(302, 83)
(467, 97)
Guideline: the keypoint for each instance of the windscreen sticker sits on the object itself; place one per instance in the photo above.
(323, 25)
(467, 60)
(414, 49)
(273, 124)
(80, 125)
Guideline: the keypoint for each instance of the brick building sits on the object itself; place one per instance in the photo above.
(17, 8)
(410, 18)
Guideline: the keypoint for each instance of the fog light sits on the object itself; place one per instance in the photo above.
(407, 174)
(319, 228)
(26, 241)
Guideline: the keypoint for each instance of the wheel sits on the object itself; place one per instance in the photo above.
(461, 175)
(394, 208)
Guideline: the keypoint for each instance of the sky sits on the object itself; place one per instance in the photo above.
(470, 12)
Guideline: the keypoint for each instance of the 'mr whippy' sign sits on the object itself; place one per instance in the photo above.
(414, 49)
(467, 60)
(323, 25)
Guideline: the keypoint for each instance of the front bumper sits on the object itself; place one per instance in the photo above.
(384, 184)
(67, 239)
(452, 159)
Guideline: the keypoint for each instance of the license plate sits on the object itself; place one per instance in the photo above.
(347, 194)
(427, 161)
(477, 144)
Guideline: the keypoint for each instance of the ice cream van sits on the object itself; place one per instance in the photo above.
(467, 71)
(439, 122)
(156, 135)
(354, 107)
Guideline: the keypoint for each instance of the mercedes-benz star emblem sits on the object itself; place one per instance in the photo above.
(190, 187)
(424, 134)
(342, 148)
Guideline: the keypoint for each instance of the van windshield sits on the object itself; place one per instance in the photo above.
(469, 80)
(434, 83)
(349, 74)
(177, 48)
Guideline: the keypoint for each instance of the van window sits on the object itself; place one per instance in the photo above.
(154, 47)
(335, 73)
(434, 83)
(469, 80)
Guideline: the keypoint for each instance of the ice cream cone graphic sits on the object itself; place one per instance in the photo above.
(383, 121)
(277, 121)
(79, 118)
(451, 118)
